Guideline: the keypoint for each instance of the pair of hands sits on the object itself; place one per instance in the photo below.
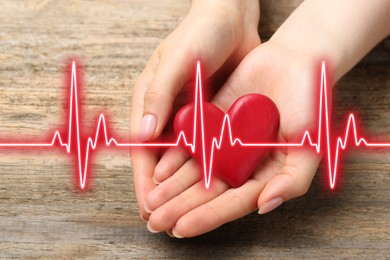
(169, 188)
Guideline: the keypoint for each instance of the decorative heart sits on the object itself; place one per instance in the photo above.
(254, 118)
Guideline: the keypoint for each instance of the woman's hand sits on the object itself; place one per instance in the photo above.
(182, 206)
(284, 70)
(218, 32)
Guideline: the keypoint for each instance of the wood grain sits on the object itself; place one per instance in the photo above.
(43, 215)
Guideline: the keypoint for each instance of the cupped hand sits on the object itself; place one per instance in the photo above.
(183, 207)
(220, 33)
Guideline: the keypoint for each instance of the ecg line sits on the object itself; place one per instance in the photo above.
(82, 151)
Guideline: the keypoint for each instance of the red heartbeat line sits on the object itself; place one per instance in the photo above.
(82, 151)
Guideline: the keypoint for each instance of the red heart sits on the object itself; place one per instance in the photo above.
(254, 118)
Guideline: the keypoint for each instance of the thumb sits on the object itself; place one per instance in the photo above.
(294, 180)
(171, 75)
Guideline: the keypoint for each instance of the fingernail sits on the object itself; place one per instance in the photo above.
(169, 233)
(175, 234)
(270, 205)
(147, 127)
(142, 217)
(150, 228)
(155, 181)
(147, 209)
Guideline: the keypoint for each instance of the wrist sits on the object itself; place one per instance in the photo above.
(304, 32)
(340, 33)
(245, 11)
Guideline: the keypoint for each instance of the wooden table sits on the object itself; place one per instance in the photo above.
(43, 214)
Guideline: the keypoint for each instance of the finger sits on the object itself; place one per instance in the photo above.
(139, 90)
(294, 180)
(184, 178)
(165, 217)
(169, 163)
(172, 74)
(143, 160)
(230, 205)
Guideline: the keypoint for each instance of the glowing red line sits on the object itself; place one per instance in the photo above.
(207, 165)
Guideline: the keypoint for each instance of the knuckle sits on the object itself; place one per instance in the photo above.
(301, 189)
(298, 184)
(151, 95)
(157, 96)
(236, 200)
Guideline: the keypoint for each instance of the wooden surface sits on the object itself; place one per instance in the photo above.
(42, 214)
